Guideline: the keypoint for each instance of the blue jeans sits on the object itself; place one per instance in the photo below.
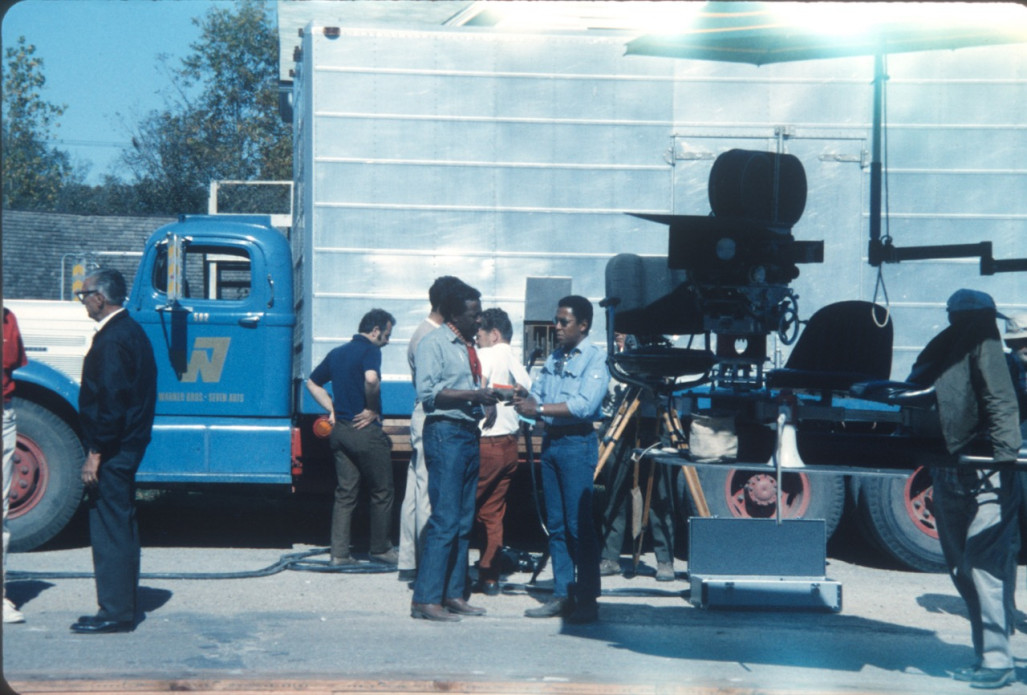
(568, 464)
(451, 454)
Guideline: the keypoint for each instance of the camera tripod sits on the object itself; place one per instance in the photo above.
(620, 442)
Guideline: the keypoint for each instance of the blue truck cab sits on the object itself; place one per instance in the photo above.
(223, 343)
(215, 295)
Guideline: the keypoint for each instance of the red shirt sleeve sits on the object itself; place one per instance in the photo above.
(14, 352)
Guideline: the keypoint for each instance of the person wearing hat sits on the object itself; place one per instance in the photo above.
(977, 509)
(1015, 338)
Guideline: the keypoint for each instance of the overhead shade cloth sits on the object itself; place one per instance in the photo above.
(776, 32)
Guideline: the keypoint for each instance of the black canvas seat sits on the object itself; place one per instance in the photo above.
(843, 344)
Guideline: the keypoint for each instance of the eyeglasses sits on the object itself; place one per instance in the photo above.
(560, 321)
(82, 294)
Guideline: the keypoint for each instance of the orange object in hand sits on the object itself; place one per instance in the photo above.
(322, 427)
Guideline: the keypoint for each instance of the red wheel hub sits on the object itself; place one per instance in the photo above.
(30, 477)
(918, 495)
(754, 495)
(762, 489)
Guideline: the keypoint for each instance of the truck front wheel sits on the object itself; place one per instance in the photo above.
(46, 487)
(733, 492)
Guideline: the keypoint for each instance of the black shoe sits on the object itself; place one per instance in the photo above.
(550, 609)
(406, 575)
(992, 678)
(584, 612)
(490, 588)
(97, 626)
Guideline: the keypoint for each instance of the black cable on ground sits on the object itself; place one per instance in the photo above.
(300, 562)
(290, 561)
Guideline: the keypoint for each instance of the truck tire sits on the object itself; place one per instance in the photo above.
(898, 516)
(46, 487)
(733, 492)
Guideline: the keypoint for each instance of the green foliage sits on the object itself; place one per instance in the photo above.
(34, 173)
(112, 197)
(223, 122)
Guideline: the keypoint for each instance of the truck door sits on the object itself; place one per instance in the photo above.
(224, 351)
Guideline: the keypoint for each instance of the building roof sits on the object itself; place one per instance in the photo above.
(36, 245)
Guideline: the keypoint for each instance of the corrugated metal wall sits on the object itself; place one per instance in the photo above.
(496, 157)
(490, 157)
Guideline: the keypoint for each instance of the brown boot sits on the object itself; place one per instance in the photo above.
(432, 611)
(462, 607)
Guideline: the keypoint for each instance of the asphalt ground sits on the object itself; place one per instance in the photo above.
(303, 630)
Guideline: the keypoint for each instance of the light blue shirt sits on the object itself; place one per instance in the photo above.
(581, 383)
(441, 362)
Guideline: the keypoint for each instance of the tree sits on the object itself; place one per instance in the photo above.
(222, 121)
(112, 197)
(34, 174)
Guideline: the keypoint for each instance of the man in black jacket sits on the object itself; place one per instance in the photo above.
(1015, 339)
(116, 406)
(976, 509)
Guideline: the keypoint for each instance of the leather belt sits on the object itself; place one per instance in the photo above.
(468, 425)
(579, 429)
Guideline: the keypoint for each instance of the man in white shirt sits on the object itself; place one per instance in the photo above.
(499, 455)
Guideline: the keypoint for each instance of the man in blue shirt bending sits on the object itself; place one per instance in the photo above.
(360, 446)
(568, 395)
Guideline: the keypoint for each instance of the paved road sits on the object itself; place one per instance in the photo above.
(308, 631)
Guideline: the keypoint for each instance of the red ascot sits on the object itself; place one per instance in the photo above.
(472, 354)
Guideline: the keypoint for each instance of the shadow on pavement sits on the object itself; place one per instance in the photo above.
(23, 591)
(150, 599)
(836, 642)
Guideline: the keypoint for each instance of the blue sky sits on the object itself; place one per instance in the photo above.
(101, 60)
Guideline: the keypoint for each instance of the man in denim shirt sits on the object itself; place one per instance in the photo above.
(568, 396)
(448, 383)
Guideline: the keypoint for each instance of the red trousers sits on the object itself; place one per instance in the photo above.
(498, 464)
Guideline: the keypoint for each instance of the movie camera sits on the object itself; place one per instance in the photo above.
(725, 281)
(725, 275)
(726, 278)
